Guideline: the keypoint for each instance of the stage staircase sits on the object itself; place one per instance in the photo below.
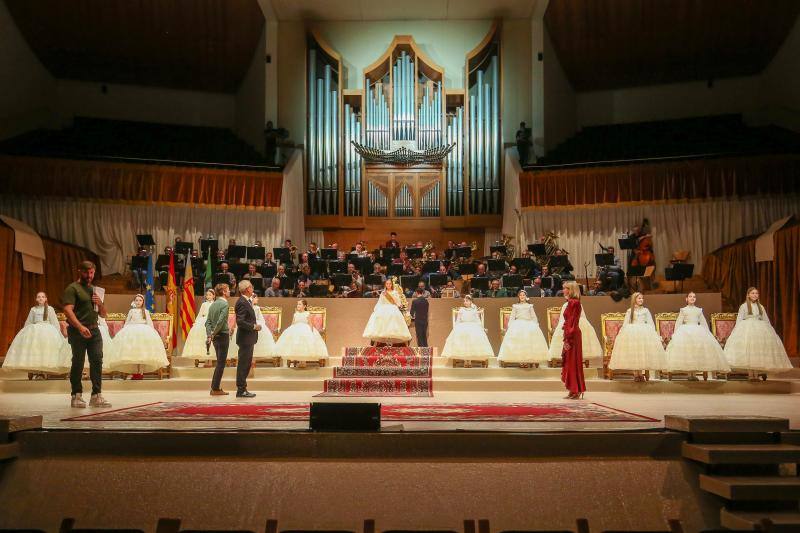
(751, 463)
(382, 371)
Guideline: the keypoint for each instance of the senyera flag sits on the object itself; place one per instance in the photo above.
(187, 301)
(172, 299)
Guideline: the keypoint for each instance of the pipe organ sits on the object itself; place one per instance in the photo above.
(403, 104)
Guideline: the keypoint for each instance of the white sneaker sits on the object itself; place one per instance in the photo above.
(97, 400)
(77, 402)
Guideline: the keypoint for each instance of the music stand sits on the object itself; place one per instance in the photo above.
(558, 261)
(238, 269)
(497, 265)
(627, 243)
(284, 255)
(437, 280)
(145, 240)
(537, 249)
(450, 253)
(512, 281)
(268, 271)
(374, 280)
(409, 283)
(464, 251)
(467, 269)
(236, 252)
(390, 253)
(414, 253)
(318, 291)
(395, 270)
(503, 249)
(162, 262)
(319, 267)
(363, 265)
(678, 272)
(290, 281)
(209, 244)
(341, 280)
(480, 284)
(603, 260)
(329, 254)
(431, 266)
(337, 267)
(256, 253)
(221, 277)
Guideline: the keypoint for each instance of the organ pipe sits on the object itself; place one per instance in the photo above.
(323, 134)
(484, 138)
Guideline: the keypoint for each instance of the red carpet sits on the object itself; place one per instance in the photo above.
(275, 412)
(382, 371)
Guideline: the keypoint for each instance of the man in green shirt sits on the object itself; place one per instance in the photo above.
(219, 334)
(82, 308)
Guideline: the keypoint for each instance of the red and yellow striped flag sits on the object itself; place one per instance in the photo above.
(187, 301)
(172, 300)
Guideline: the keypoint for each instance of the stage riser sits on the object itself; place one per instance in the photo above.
(441, 384)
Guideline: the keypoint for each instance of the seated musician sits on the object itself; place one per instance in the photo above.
(220, 256)
(349, 292)
(301, 291)
(358, 279)
(449, 290)
(359, 250)
(392, 242)
(231, 279)
(555, 281)
(306, 275)
(275, 290)
(566, 272)
(496, 291)
(513, 271)
(408, 267)
(421, 291)
(401, 260)
(374, 291)
(140, 273)
(281, 274)
(269, 261)
(535, 290)
(597, 289)
(480, 271)
(255, 278)
(313, 250)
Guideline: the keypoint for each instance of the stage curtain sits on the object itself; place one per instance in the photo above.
(699, 227)
(20, 288)
(683, 180)
(63, 178)
(733, 268)
(109, 229)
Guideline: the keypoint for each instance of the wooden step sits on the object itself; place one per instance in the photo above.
(9, 450)
(751, 520)
(749, 454)
(752, 488)
(12, 424)
(726, 424)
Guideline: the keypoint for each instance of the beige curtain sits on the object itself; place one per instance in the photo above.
(699, 227)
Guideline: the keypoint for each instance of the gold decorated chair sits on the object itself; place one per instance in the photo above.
(163, 324)
(722, 325)
(505, 317)
(318, 319)
(553, 314)
(464, 362)
(665, 325)
(611, 324)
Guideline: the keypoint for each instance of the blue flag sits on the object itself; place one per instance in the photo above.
(149, 297)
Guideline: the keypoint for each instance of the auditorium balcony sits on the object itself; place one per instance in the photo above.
(138, 142)
(689, 138)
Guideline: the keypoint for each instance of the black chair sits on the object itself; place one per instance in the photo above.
(68, 526)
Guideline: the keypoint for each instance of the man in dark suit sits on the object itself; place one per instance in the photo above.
(246, 337)
(419, 314)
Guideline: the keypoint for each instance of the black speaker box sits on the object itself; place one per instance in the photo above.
(345, 416)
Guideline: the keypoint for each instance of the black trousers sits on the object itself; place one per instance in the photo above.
(422, 333)
(81, 347)
(243, 366)
(221, 342)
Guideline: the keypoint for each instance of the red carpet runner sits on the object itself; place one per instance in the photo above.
(383, 371)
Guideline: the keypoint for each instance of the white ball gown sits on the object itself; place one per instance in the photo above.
(195, 344)
(693, 347)
(37, 346)
(638, 345)
(753, 344)
(138, 347)
(301, 341)
(468, 338)
(108, 348)
(265, 346)
(387, 323)
(524, 341)
(591, 344)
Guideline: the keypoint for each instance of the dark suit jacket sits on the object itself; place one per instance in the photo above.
(246, 335)
(419, 310)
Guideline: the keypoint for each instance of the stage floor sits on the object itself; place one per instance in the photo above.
(54, 408)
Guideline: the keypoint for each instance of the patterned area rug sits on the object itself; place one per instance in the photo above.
(382, 371)
(284, 412)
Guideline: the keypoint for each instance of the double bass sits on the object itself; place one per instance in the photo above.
(643, 255)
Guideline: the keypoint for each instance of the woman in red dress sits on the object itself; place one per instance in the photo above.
(572, 355)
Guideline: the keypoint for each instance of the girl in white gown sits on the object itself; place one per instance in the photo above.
(468, 338)
(524, 341)
(386, 323)
(37, 346)
(265, 346)
(592, 351)
(108, 348)
(195, 345)
(753, 344)
(138, 347)
(693, 348)
(638, 345)
(301, 341)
